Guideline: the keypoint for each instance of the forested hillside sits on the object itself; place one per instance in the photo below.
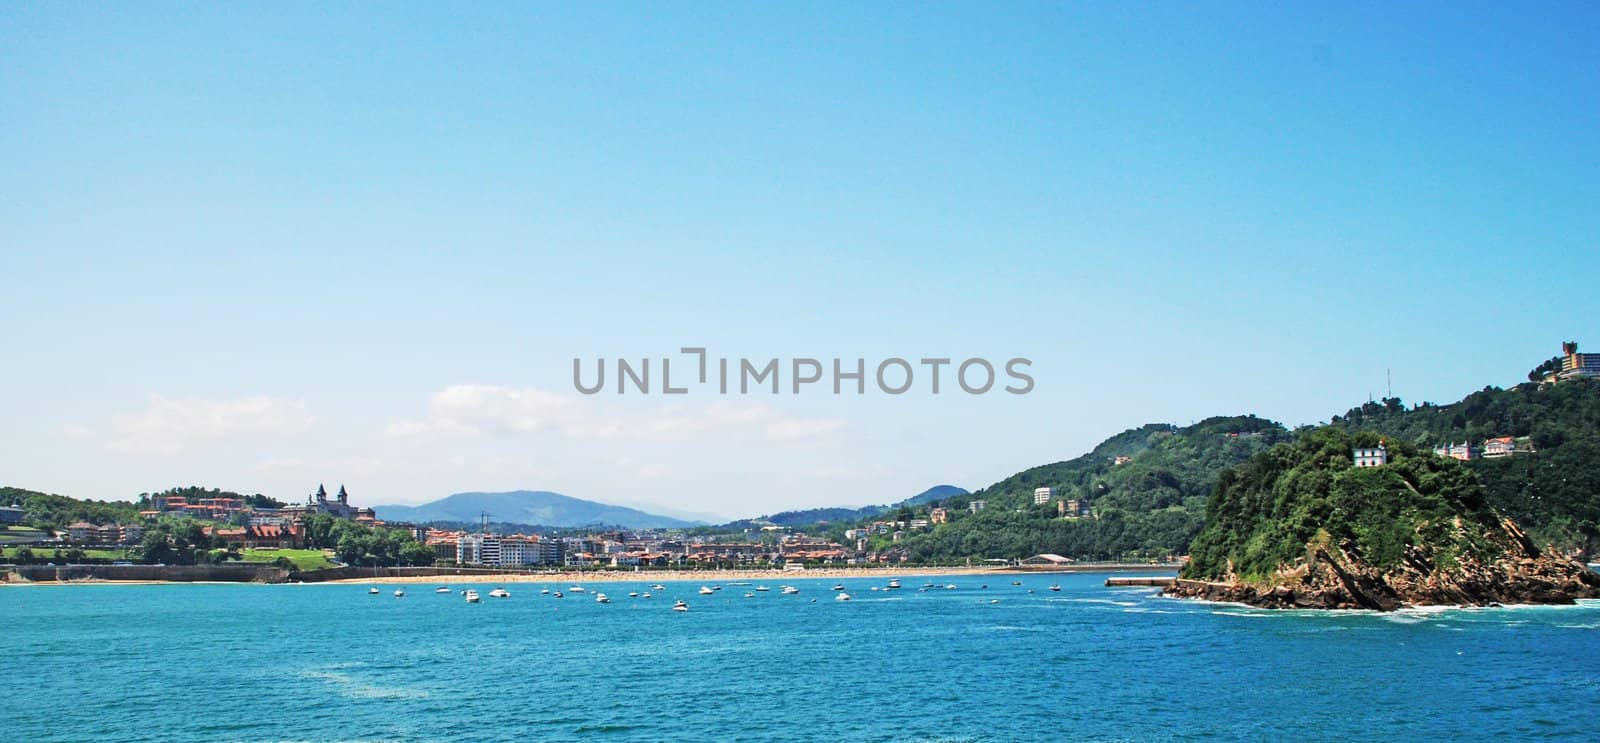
(48, 511)
(1149, 507)
(1554, 490)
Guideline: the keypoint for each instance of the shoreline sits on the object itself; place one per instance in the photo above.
(656, 576)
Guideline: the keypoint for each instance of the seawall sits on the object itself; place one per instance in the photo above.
(233, 573)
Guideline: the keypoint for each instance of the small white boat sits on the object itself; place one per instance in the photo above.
(633, 594)
(949, 586)
(1055, 587)
(838, 586)
(558, 594)
(875, 588)
(841, 596)
(601, 598)
(472, 597)
(790, 589)
(575, 589)
(646, 595)
(373, 590)
(680, 606)
(544, 592)
(994, 601)
(399, 593)
(442, 589)
(749, 594)
(499, 593)
(1016, 583)
(894, 583)
(706, 591)
(762, 589)
(658, 587)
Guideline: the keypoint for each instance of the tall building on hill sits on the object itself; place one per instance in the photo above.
(1574, 364)
(338, 506)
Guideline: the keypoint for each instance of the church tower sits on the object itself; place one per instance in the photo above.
(344, 498)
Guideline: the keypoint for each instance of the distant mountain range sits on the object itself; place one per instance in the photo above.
(544, 508)
(538, 507)
(844, 514)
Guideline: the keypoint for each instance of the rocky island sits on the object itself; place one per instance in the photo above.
(1348, 521)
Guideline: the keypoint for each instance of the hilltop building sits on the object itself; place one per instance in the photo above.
(1374, 457)
(977, 505)
(1042, 496)
(11, 514)
(1463, 451)
(338, 506)
(1072, 508)
(1574, 364)
(1503, 446)
(939, 516)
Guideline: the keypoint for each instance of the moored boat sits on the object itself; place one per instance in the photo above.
(499, 593)
(680, 606)
(472, 596)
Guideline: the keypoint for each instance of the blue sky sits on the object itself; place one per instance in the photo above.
(261, 247)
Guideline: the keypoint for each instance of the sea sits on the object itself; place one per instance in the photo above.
(985, 660)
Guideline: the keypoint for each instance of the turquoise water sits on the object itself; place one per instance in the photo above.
(330, 662)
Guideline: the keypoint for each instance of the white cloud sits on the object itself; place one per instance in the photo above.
(167, 426)
(487, 410)
(795, 429)
(77, 432)
(286, 464)
(477, 409)
(402, 429)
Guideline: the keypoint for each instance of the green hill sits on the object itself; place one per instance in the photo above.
(1149, 506)
(1300, 525)
(49, 511)
(1554, 490)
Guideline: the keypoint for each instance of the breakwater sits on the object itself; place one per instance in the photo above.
(231, 573)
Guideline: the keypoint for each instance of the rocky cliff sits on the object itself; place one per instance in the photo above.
(1336, 577)
(1301, 527)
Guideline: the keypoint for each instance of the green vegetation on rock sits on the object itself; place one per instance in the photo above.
(1552, 490)
(1264, 514)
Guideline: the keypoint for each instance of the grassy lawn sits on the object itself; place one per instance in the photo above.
(20, 534)
(49, 553)
(303, 559)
